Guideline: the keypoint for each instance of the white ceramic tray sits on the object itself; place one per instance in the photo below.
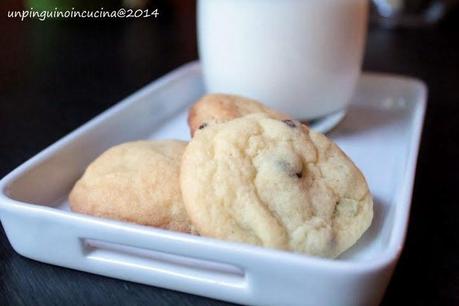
(381, 133)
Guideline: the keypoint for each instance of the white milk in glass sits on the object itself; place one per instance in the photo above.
(301, 57)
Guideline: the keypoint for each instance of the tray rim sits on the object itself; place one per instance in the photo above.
(387, 257)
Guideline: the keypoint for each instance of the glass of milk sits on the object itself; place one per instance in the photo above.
(300, 57)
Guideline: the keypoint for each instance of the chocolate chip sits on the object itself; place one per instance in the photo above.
(290, 123)
(202, 126)
(287, 167)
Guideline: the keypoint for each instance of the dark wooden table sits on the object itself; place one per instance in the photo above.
(54, 76)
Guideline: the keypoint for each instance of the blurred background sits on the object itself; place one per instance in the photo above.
(57, 74)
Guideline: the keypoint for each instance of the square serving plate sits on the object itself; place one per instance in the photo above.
(381, 133)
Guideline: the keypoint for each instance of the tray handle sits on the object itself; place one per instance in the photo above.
(162, 258)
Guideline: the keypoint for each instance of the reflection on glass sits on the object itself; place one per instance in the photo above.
(410, 12)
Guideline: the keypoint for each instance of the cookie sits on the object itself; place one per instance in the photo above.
(274, 183)
(135, 182)
(218, 108)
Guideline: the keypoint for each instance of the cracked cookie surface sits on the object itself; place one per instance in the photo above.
(135, 182)
(276, 184)
(218, 108)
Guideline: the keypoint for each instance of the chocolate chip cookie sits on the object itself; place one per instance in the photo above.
(274, 183)
(217, 108)
(135, 182)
